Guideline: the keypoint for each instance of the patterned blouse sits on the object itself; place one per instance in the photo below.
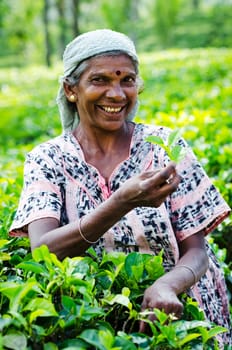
(59, 183)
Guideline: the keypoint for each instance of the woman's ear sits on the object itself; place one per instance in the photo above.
(70, 92)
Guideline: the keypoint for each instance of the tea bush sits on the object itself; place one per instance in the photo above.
(89, 303)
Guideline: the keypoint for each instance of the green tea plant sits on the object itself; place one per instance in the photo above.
(89, 303)
(175, 152)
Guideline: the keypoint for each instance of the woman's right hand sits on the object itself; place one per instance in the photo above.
(150, 188)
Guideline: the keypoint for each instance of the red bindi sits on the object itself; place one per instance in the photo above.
(118, 72)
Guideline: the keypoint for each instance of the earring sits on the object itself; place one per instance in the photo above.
(72, 98)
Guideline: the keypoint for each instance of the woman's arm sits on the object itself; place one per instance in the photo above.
(147, 189)
(193, 263)
(68, 240)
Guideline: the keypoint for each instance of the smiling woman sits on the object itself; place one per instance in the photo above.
(101, 183)
(101, 96)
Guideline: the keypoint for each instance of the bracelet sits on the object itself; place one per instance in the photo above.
(81, 233)
(190, 269)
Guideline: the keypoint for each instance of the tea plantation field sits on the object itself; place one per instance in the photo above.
(188, 89)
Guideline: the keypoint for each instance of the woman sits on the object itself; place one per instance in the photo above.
(100, 183)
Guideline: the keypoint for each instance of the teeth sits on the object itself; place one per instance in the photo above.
(112, 109)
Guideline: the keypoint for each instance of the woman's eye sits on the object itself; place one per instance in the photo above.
(129, 79)
(97, 79)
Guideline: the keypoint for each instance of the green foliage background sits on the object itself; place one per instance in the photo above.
(153, 24)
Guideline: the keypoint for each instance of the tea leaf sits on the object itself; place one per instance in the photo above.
(216, 330)
(15, 340)
(40, 307)
(175, 152)
(188, 338)
(173, 137)
(51, 346)
(102, 339)
(34, 267)
(155, 139)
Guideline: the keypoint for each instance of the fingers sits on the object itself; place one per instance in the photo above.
(164, 177)
(162, 298)
(175, 310)
(142, 327)
(150, 188)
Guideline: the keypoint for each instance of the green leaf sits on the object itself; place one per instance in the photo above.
(4, 322)
(106, 338)
(216, 330)
(102, 339)
(4, 256)
(17, 292)
(177, 153)
(41, 253)
(123, 343)
(68, 303)
(3, 242)
(161, 316)
(184, 325)
(126, 292)
(154, 267)
(117, 258)
(105, 279)
(87, 313)
(15, 340)
(34, 267)
(18, 319)
(192, 310)
(173, 137)
(155, 139)
(188, 338)
(204, 334)
(119, 299)
(50, 346)
(134, 266)
(74, 344)
(40, 307)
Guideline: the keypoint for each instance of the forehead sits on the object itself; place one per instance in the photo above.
(111, 63)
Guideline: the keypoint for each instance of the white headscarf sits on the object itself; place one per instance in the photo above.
(81, 48)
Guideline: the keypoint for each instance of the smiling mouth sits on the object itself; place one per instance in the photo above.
(111, 109)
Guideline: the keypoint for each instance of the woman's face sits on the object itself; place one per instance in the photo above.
(107, 92)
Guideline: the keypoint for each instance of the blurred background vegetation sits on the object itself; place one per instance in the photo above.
(37, 31)
(185, 49)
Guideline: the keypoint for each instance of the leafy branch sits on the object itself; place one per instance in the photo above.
(175, 151)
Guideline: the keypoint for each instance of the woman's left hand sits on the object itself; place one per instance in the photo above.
(163, 293)
(161, 296)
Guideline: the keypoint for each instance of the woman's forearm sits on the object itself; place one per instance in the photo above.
(187, 271)
(69, 241)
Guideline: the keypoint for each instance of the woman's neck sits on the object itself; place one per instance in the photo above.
(105, 151)
(98, 141)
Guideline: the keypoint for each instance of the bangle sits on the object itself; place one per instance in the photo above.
(81, 234)
(190, 269)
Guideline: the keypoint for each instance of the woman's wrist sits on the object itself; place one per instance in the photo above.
(192, 271)
(179, 279)
(93, 225)
(121, 202)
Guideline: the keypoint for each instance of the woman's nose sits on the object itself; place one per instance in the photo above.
(116, 91)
